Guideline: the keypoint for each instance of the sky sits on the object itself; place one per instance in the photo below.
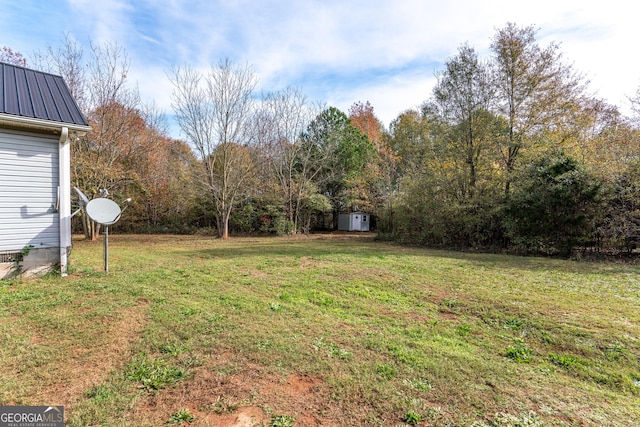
(337, 52)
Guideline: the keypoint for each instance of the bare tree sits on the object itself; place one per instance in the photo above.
(635, 105)
(103, 157)
(282, 119)
(13, 57)
(67, 61)
(214, 110)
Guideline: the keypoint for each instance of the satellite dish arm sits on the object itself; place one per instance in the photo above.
(127, 202)
(76, 212)
(84, 200)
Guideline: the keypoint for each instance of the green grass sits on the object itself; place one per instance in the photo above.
(187, 327)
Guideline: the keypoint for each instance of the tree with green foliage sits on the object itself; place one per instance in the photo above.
(424, 184)
(553, 206)
(448, 185)
(619, 228)
(339, 153)
(373, 189)
(311, 205)
(462, 100)
(534, 89)
(412, 140)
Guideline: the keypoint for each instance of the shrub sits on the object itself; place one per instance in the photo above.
(553, 207)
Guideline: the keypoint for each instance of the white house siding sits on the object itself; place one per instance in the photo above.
(28, 190)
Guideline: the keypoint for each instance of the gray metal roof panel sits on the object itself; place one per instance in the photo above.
(34, 88)
(49, 98)
(25, 105)
(30, 93)
(10, 92)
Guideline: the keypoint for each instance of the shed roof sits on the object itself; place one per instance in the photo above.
(38, 95)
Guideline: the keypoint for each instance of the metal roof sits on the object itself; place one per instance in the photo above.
(38, 95)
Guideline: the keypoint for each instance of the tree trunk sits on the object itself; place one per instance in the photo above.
(224, 232)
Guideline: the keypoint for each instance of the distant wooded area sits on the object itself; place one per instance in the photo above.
(509, 152)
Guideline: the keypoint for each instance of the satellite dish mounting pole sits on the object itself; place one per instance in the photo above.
(106, 248)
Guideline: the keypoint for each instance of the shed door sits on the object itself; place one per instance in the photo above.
(357, 220)
(28, 190)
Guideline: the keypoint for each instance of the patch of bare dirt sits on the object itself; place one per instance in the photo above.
(448, 315)
(250, 416)
(246, 397)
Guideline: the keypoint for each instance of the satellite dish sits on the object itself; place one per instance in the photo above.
(103, 211)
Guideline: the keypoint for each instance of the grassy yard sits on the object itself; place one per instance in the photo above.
(330, 330)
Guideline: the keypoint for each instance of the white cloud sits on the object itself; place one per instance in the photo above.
(105, 21)
(389, 98)
(153, 85)
(310, 40)
(336, 51)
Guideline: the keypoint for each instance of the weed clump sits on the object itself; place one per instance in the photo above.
(181, 416)
(519, 353)
(282, 421)
(507, 420)
(563, 361)
(155, 374)
(411, 418)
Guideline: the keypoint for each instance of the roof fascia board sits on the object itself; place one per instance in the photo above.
(42, 124)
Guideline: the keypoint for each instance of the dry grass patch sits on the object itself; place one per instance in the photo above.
(88, 367)
(57, 366)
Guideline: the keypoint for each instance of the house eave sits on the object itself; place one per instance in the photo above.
(22, 122)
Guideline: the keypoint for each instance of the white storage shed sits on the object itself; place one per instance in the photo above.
(354, 221)
(38, 120)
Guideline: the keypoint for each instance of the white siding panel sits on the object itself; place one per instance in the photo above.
(28, 190)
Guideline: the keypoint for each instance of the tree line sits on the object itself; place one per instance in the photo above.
(508, 152)
(512, 152)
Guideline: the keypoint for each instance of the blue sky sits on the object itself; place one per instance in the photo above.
(335, 51)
